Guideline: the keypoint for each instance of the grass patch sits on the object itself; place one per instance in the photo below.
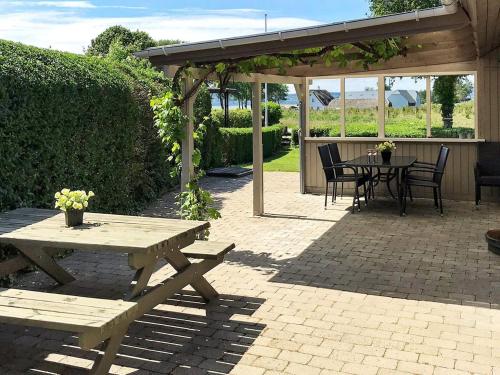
(282, 161)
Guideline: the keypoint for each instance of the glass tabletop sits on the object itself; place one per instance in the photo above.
(395, 162)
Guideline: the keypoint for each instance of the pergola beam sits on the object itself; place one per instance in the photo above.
(196, 73)
(187, 147)
(258, 157)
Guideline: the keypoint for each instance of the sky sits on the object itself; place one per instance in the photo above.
(71, 25)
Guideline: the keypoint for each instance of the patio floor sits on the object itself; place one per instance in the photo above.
(307, 291)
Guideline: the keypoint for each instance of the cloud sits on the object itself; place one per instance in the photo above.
(70, 32)
(227, 12)
(79, 4)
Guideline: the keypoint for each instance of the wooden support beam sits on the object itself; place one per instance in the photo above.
(428, 105)
(187, 171)
(195, 73)
(302, 92)
(381, 106)
(258, 158)
(342, 107)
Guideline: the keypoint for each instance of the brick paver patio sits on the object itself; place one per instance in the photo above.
(306, 291)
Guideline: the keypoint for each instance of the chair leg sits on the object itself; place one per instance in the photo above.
(410, 194)
(478, 194)
(440, 201)
(334, 193)
(405, 193)
(326, 194)
(356, 196)
(365, 193)
(342, 190)
(434, 190)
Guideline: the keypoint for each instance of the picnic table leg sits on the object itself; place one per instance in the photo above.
(141, 279)
(201, 285)
(110, 348)
(46, 263)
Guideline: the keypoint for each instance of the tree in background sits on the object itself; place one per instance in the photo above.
(444, 89)
(243, 94)
(463, 89)
(276, 92)
(444, 93)
(133, 40)
(137, 39)
(385, 7)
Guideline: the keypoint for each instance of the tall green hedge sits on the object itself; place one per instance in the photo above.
(229, 146)
(242, 118)
(79, 122)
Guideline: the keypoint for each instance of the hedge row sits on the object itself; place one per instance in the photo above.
(242, 118)
(393, 131)
(79, 122)
(229, 146)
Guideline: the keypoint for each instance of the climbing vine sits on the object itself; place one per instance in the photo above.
(194, 202)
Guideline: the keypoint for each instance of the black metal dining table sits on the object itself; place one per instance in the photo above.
(399, 164)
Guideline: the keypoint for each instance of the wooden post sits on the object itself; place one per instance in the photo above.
(188, 141)
(258, 159)
(342, 107)
(381, 107)
(428, 105)
(302, 91)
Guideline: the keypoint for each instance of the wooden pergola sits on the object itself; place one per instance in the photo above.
(458, 38)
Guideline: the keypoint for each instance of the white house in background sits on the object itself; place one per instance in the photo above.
(369, 99)
(319, 99)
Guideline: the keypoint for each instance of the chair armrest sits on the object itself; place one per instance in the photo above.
(423, 165)
(343, 165)
(424, 171)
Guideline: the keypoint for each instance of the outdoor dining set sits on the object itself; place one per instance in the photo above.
(370, 170)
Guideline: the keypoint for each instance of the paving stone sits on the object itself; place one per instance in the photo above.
(306, 291)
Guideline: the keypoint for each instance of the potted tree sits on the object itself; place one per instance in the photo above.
(73, 204)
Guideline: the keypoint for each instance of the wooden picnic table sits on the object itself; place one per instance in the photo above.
(39, 234)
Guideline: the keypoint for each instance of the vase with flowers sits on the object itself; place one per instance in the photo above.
(386, 148)
(73, 204)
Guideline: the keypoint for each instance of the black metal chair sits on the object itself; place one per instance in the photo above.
(333, 168)
(487, 169)
(418, 175)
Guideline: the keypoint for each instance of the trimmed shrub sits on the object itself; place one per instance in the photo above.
(274, 113)
(229, 146)
(79, 122)
(242, 118)
(238, 118)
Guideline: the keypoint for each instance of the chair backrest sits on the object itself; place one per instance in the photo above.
(441, 163)
(488, 156)
(335, 155)
(326, 162)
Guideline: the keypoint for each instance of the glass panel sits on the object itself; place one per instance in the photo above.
(405, 107)
(324, 115)
(361, 101)
(453, 114)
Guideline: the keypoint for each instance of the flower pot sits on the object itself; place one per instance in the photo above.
(493, 239)
(73, 218)
(386, 156)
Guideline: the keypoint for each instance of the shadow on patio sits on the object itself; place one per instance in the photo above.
(162, 341)
(376, 252)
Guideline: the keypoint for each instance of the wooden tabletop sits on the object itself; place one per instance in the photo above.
(100, 231)
(395, 162)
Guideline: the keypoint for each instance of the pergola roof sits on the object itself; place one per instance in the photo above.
(436, 35)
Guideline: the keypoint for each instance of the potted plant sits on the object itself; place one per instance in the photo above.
(73, 204)
(386, 148)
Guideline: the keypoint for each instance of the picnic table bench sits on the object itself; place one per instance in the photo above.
(40, 234)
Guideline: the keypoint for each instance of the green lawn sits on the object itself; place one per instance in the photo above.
(283, 161)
